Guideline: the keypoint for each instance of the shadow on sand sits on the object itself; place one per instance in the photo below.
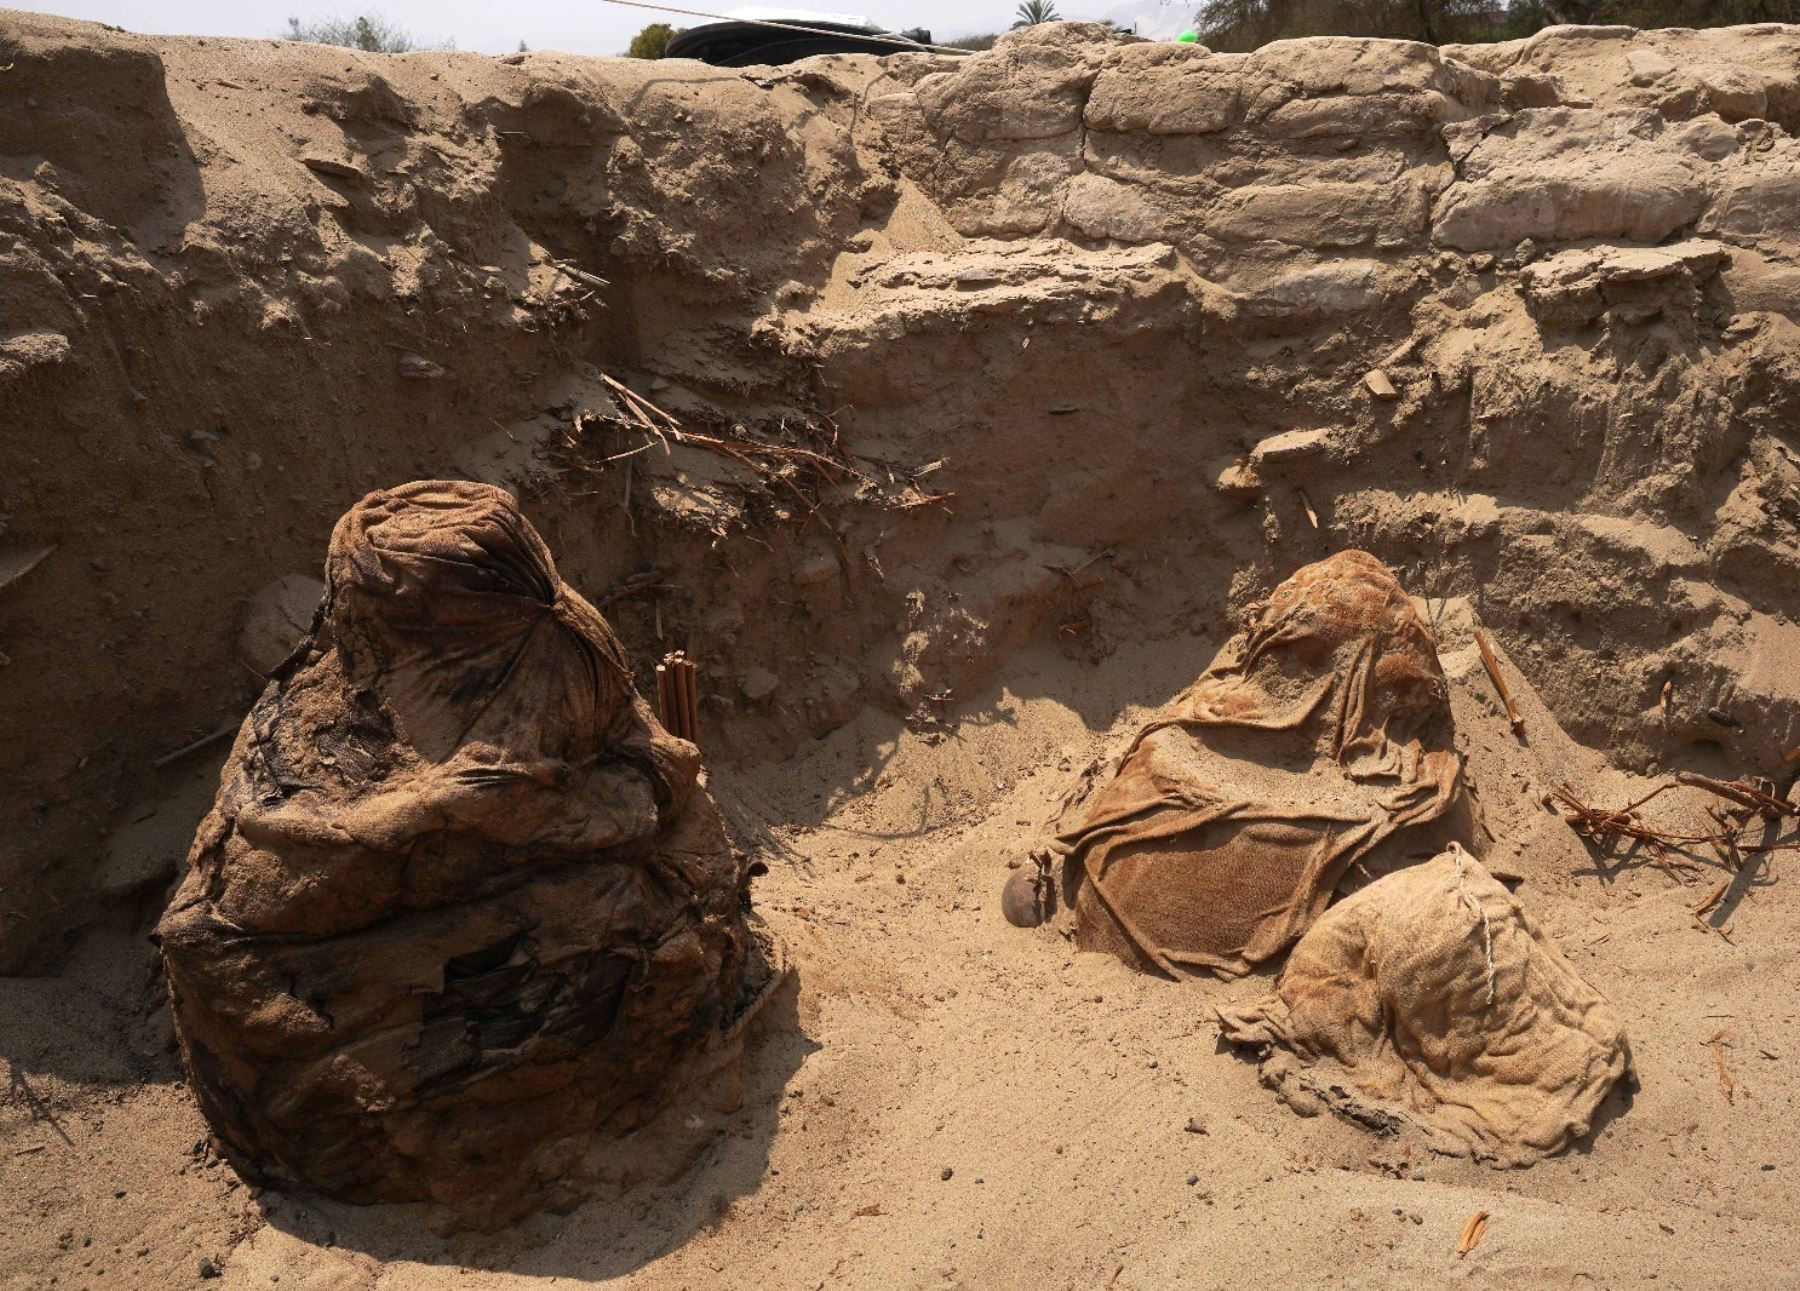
(658, 1187)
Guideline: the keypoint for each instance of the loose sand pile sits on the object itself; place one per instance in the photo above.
(1008, 382)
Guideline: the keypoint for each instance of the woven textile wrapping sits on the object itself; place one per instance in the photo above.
(1321, 737)
(1430, 996)
(460, 902)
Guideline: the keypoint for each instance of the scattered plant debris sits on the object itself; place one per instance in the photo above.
(1753, 800)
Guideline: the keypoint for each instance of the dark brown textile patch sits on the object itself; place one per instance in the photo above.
(460, 901)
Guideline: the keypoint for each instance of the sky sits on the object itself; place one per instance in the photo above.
(575, 26)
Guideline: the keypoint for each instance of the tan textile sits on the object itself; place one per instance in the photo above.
(1221, 832)
(1432, 996)
(460, 900)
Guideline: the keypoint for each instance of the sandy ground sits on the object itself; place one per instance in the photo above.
(246, 281)
(946, 1101)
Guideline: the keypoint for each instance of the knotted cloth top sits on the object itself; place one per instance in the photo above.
(1339, 651)
(442, 593)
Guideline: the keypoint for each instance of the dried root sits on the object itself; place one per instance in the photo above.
(1751, 799)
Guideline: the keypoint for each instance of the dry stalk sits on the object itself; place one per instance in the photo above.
(625, 500)
(581, 275)
(649, 580)
(1745, 793)
(1474, 1228)
(1492, 665)
(1713, 898)
(1726, 1087)
(193, 746)
(678, 696)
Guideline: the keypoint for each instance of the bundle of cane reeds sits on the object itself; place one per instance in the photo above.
(678, 696)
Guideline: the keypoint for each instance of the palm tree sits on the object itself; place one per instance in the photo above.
(1032, 12)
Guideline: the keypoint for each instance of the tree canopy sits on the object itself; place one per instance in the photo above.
(651, 42)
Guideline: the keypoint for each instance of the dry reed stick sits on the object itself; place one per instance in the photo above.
(665, 711)
(690, 695)
(1493, 671)
(1473, 1230)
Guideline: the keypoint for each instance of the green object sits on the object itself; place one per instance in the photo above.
(1189, 38)
(651, 41)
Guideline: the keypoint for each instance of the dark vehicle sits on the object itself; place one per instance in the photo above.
(753, 44)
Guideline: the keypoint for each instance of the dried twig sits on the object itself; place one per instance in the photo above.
(1713, 898)
(640, 407)
(1725, 846)
(1626, 823)
(1744, 793)
(638, 415)
(1726, 1087)
(625, 500)
(1071, 573)
(581, 275)
(649, 580)
(1492, 665)
(1606, 827)
(742, 451)
(193, 746)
